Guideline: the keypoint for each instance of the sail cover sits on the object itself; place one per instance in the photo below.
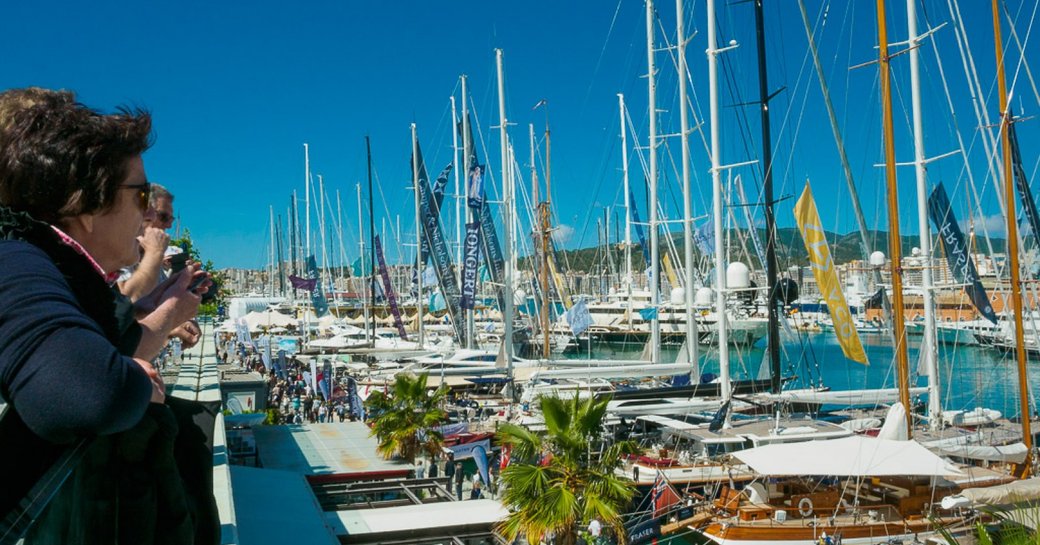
(826, 276)
(855, 456)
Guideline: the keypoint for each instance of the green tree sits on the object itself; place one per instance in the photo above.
(405, 419)
(559, 481)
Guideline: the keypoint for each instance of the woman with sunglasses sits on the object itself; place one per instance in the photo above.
(74, 365)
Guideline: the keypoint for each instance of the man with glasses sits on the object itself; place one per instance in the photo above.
(139, 280)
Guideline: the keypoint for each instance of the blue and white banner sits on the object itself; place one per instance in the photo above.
(470, 262)
(956, 250)
(475, 186)
(325, 383)
(704, 237)
(579, 318)
(321, 307)
(438, 198)
(465, 450)
(440, 254)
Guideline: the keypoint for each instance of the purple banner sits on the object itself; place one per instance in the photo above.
(388, 289)
(470, 262)
(305, 284)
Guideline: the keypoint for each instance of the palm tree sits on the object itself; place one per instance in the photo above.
(558, 482)
(405, 419)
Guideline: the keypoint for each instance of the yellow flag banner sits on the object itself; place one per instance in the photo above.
(827, 277)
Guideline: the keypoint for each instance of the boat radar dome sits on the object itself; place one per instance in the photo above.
(519, 297)
(877, 259)
(737, 276)
(678, 295)
(704, 297)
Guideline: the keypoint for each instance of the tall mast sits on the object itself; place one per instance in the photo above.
(850, 182)
(716, 183)
(691, 324)
(321, 232)
(928, 345)
(307, 196)
(1012, 242)
(361, 258)
(507, 218)
(280, 261)
(371, 247)
(418, 234)
(628, 209)
(294, 239)
(339, 233)
(270, 279)
(455, 167)
(467, 146)
(543, 280)
(894, 240)
(655, 258)
(773, 346)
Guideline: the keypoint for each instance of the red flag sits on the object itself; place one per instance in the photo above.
(664, 495)
(506, 451)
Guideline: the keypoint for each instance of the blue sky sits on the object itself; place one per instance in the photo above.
(237, 87)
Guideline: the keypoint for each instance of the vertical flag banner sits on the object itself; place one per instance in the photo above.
(957, 254)
(827, 277)
(470, 262)
(640, 232)
(475, 186)
(321, 307)
(388, 289)
(439, 253)
(1022, 183)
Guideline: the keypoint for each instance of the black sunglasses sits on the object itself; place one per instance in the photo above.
(144, 194)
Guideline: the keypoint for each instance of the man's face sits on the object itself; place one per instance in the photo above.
(160, 215)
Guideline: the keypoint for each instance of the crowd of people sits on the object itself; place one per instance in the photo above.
(85, 310)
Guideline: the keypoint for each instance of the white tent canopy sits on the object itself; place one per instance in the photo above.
(854, 456)
(267, 319)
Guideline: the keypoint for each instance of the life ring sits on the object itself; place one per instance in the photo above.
(805, 507)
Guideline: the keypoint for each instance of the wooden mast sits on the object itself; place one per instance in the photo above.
(894, 240)
(1023, 469)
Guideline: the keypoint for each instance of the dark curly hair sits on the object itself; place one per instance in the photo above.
(59, 158)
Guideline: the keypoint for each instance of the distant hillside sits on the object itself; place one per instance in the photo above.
(790, 249)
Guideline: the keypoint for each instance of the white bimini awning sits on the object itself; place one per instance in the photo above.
(854, 456)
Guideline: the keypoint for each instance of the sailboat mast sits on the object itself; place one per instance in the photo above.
(628, 207)
(928, 344)
(507, 219)
(467, 146)
(418, 235)
(894, 239)
(684, 136)
(371, 246)
(280, 260)
(361, 259)
(655, 258)
(455, 168)
(846, 167)
(307, 197)
(716, 183)
(767, 194)
(270, 279)
(1012, 242)
(543, 279)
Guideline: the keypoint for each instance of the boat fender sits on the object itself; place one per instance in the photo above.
(805, 507)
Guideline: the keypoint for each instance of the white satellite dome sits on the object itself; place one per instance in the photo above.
(678, 296)
(738, 276)
(519, 297)
(877, 259)
(704, 297)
